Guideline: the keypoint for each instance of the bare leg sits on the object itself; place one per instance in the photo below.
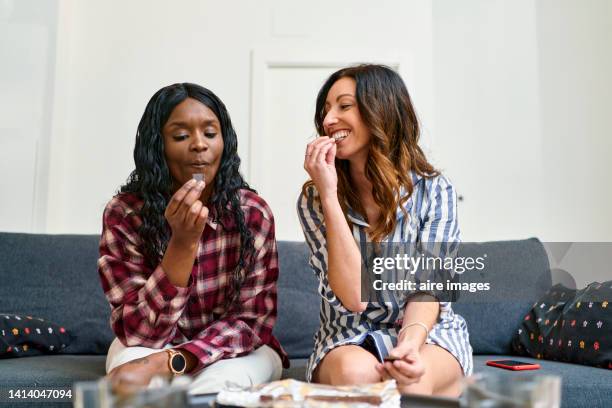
(347, 365)
(442, 376)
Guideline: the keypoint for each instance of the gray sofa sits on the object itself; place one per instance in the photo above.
(54, 277)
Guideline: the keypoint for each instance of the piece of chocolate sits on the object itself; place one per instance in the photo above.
(270, 398)
(368, 399)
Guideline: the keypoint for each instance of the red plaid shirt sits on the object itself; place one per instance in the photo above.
(147, 310)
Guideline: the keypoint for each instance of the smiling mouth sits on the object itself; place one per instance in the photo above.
(340, 135)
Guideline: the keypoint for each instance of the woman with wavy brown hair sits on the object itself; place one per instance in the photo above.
(372, 184)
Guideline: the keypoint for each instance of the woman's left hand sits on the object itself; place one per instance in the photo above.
(407, 369)
(135, 375)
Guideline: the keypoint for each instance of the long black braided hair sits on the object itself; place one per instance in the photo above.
(151, 180)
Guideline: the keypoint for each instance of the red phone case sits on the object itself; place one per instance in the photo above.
(525, 366)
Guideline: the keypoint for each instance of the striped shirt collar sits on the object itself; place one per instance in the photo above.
(358, 219)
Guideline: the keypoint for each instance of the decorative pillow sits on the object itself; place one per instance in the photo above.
(30, 336)
(569, 325)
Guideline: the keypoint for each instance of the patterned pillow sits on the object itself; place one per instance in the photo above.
(569, 325)
(30, 336)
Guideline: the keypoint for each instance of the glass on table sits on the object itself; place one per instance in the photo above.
(511, 391)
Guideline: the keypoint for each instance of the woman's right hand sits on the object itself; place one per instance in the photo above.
(319, 162)
(186, 214)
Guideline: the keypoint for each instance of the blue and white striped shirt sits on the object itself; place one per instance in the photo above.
(432, 217)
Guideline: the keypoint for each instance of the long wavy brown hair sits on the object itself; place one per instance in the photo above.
(386, 110)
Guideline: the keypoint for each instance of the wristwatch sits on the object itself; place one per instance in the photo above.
(176, 362)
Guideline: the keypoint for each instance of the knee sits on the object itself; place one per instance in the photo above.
(421, 387)
(350, 371)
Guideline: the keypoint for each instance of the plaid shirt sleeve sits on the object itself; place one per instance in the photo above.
(246, 327)
(145, 306)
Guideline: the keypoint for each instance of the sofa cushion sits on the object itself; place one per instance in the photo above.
(582, 386)
(55, 277)
(569, 325)
(519, 274)
(297, 370)
(298, 300)
(59, 282)
(23, 336)
(58, 371)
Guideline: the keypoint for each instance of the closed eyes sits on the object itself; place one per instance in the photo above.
(179, 138)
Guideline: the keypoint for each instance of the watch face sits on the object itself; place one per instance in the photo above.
(178, 363)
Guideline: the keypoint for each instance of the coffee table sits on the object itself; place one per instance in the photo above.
(408, 401)
(91, 392)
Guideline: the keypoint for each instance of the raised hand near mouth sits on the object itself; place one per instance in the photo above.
(319, 162)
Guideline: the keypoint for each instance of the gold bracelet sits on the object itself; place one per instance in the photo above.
(414, 324)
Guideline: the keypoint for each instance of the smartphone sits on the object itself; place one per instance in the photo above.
(513, 365)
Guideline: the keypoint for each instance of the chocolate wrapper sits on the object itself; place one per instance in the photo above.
(292, 393)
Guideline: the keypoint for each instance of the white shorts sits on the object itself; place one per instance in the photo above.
(260, 366)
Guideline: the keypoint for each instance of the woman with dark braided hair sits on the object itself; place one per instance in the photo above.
(370, 185)
(188, 255)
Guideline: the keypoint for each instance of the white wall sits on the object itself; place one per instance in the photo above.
(518, 92)
(116, 54)
(487, 113)
(523, 112)
(575, 72)
(27, 67)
